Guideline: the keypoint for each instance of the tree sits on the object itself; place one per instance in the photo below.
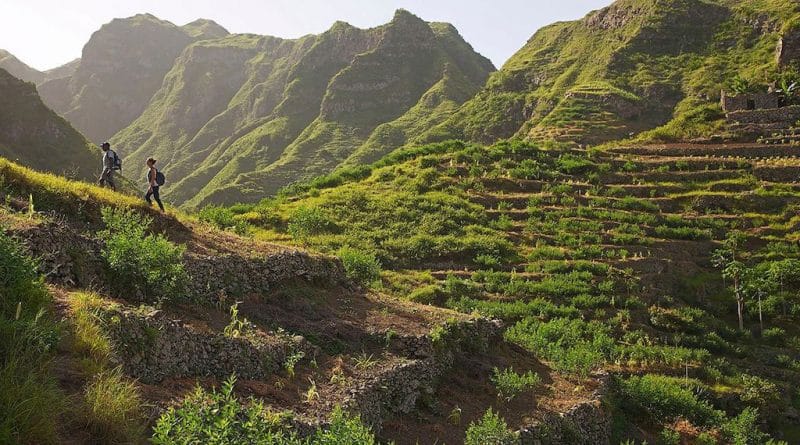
(728, 259)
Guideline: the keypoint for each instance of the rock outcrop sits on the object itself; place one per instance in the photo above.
(122, 66)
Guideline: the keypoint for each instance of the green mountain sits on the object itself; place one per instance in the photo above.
(122, 66)
(633, 66)
(32, 134)
(241, 116)
(19, 69)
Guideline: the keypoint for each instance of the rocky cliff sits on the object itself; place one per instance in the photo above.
(122, 66)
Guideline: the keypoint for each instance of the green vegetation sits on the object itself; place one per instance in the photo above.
(270, 117)
(29, 396)
(560, 243)
(360, 267)
(510, 384)
(491, 429)
(141, 265)
(114, 408)
(219, 417)
(59, 149)
(634, 67)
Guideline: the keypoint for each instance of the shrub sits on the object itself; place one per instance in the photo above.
(307, 221)
(425, 294)
(113, 409)
(490, 430)
(30, 400)
(774, 336)
(146, 264)
(743, 429)
(510, 384)
(574, 346)
(360, 267)
(223, 218)
(490, 262)
(761, 394)
(219, 417)
(667, 398)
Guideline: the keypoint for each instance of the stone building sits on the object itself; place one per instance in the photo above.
(756, 101)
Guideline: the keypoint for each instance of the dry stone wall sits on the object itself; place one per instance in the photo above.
(397, 390)
(68, 257)
(586, 423)
(150, 347)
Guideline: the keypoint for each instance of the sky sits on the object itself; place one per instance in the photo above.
(47, 33)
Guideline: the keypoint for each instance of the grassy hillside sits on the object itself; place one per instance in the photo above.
(628, 68)
(626, 260)
(239, 117)
(155, 341)
(20, 70)
(34, 135)
(122, 66)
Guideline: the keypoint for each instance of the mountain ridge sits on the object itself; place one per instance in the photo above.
(306, 104)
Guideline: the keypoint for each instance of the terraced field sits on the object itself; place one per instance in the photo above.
(601, 259)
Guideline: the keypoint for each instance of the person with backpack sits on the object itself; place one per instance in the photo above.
(111, 163)
(155, 180)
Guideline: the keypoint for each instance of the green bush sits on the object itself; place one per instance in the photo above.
(223, 218)
(490, 430)
(743, 429)
(219, 417)
(509, 384)
(307, 221)
(574, 346)
(148, 265)
(668, 398)
(361, 267)
(29, 398)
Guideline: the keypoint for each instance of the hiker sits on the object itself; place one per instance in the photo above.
(111, 162)
(155, 179)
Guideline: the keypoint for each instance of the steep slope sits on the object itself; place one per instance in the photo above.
(19, 69)
(306, 341)
(122, 66)
(239, 117)
(632, 66)
(616, 259)
(34, 135)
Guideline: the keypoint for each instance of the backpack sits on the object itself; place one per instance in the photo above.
(160, 178)
(117, 161)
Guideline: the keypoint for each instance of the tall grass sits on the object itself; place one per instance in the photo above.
(30, 402)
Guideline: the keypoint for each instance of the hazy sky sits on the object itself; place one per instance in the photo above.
(48, 33)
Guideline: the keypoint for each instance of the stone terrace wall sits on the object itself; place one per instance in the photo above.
(215, 276)
(786, 115)
(586, 423)
(398, 389)
(70, 258)
(151, 347)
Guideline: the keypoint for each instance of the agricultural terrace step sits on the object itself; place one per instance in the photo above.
(150, 347)
(72, 258)
(680, 163)
(689, 176)
(747, 202)
(733, 151)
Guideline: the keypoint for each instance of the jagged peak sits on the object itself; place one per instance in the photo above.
(339, 26)
(405, 16)
(205, 28)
